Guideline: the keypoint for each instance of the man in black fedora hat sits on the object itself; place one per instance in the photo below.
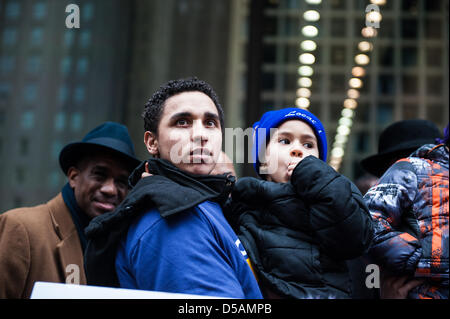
(46, 242)
(409, 209)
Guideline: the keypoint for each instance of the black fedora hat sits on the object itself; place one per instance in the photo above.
(399, 140)
(109, 136)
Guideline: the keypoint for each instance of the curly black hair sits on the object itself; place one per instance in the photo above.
(155, 105)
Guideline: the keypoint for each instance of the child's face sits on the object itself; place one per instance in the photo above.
(292, 142)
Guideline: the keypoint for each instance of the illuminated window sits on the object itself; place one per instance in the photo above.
(12, 10)
(36, 36)
(9, 36)
(39, 10)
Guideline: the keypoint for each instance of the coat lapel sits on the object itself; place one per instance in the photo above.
(68, 250)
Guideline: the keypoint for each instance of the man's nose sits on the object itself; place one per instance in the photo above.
(109, 187)
(199, 132)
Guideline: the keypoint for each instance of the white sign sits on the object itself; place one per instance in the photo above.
(50, 290)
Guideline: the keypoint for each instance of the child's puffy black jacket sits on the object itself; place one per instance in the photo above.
(299, 234)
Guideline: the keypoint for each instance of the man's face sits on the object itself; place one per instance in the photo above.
(100, 183)
(189, 133)
(290, 144)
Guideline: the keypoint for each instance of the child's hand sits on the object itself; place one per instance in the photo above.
(146, 173)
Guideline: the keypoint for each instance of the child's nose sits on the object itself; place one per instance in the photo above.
(296, 152)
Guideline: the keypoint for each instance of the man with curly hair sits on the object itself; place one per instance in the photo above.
(170, 233)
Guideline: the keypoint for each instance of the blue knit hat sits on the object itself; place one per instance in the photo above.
(273, 119)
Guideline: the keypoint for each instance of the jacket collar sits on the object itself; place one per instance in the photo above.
(437, 153)
(170, 190)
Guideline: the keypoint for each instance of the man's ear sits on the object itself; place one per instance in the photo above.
(72, 174)
(151, 142)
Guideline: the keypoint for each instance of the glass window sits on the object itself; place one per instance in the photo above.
(386, 84)
(338, 4)
(435, 114)
(7, 64)
(82, 66)
(20, 175)
(337, 83)
(88, 11)
(85, 38)
(24, 146)
(386, 56)
(12, 10)
(69, 37)
(409, 56)
(37, 36)
(362, 142)
(410, 111)
(434, 56)
(2, 117)
(434, 85)
(269, 53)
(268, 81)
(410, 6)
(270, 26)
(290, 82)
(5, 90)
(27, 120)
(30, 92)
(34, 64)
(409, 84)
(433, 5)
(387, 28)
(338, 55)
(63, 94)
(56, 149)
(362, 113)
(66, 64)
(338, 27)
(60, 121)
(9, 36)
(409, 28)
(76, 121)
(433, 28)
(39, 10)
(79, 94)
(54, 179)
(291, 4)
(291, 26)
(385, 113)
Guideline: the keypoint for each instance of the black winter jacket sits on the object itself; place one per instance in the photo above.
(299, 234)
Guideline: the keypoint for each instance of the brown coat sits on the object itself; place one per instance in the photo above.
(37, 244)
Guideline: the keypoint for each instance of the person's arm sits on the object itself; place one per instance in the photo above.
(14, 257)
(338, 214)
(182, 254)
(389, 202)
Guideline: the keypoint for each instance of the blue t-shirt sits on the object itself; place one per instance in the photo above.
(193, 252)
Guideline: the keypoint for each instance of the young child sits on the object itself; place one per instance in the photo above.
(302, 220)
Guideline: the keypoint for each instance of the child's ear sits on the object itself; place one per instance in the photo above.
(151, 142)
